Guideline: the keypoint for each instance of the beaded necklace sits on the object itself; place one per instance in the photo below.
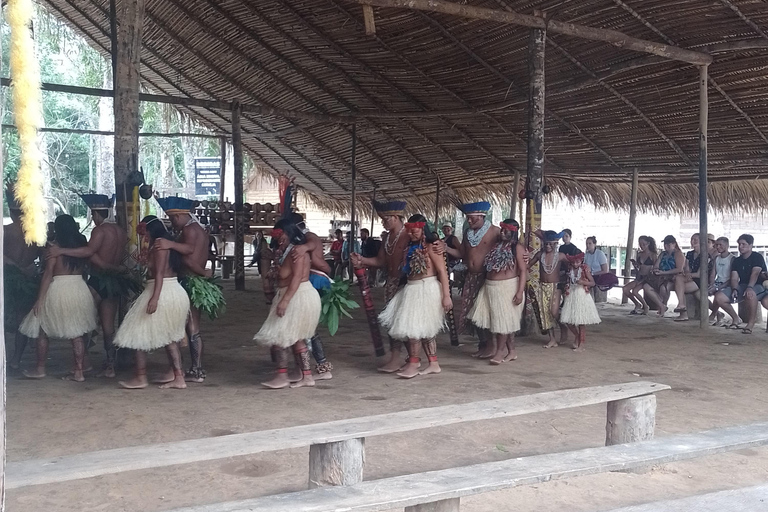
(549, 267)
(474, 237)
(390, 248)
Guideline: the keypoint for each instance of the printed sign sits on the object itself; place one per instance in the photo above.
(207, 176)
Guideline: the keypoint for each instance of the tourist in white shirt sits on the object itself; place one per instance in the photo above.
(721, 276)
(595, 259)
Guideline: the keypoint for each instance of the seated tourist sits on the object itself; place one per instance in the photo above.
(597, 262)
(744, 286)
(662, 278)
(646, 258)
(690, 280)
(721, 277)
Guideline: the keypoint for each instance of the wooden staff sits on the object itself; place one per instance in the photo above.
(370, 311)
(449, 314)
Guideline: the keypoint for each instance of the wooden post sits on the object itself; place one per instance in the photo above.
(237, 158)
(353, 230)
(2, 323)
(515, 191)
(535, 163)
(437, 204)
(130, 23)
(449, 505)
(113, 38)
(223, 168)
(338, 463)
(373, 210)
(703, 126)
(370, 22)
(631, 230)
(630, 420)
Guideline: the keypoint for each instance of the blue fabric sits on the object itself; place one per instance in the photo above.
(411, 249)
(320, 283)
(478, 207)
(174, 203)
(345, 250)
(667, 262)
(389, 207)
(97, 201)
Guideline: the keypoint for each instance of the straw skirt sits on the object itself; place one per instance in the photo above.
(579, 308)
(67, 312)
(142, 331)
(298, 323)
(416, 311)
(494, 308)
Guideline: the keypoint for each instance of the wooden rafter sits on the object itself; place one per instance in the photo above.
(712, 81)
(754, 26)
(552, 26)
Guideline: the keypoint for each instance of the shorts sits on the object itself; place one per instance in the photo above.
(759, 291)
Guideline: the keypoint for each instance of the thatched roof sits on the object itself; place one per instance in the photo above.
(608, 110)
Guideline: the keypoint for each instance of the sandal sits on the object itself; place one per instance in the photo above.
(735, 326)
(746, 331)
(680, 310)
(634, 312)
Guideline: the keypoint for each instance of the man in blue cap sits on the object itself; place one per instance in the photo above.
(192, 244)
(390, 255)
(478, 241)
(105, 251)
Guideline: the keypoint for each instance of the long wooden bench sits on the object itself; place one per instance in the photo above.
(748, 499)
(440, 491)
(336, 454)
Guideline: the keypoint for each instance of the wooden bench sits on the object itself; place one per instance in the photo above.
(441, 491)
(749, 499)
(336, 454)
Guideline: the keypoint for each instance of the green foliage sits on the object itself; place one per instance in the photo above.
(336, 302)
(205, 294)
(112, 283)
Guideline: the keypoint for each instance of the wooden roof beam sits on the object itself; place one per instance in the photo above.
(711, 80)
(612, 37)
(754, 26)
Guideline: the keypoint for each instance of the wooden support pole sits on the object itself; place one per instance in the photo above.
(373, 211)
(3, 422)
(612, 37)
(337, 463)
(113, 38)
(370, 22)
(449, 505)
(703, 228)
(130, 23)
(237, 158)
(437, 204)
(222, 167)
(515, 191)
(631, 229)
(353, 211)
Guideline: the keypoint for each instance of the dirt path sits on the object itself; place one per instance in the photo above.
(718, 380)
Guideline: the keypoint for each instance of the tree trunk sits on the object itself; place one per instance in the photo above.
(105, 145)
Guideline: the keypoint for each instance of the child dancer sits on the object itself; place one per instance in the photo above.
(579, 309)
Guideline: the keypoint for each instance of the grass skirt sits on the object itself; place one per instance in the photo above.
(416, 311)
(494, 308)
(67, 312)
(298, 323)
(142, 331)
(579, 308)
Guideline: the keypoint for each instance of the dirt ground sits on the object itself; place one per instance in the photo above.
(717, 380)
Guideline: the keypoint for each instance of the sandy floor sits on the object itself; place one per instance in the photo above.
(718, 380)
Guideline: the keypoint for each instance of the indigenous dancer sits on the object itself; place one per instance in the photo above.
(319, 270)
(193, 247)
(106, 251)
(547, 303)
(477, 243)
(500, 302)
(294, 314)
(579, 309)
(65, 306)
(390, 257)
(417, 312)
(158, 317)
(20, 275)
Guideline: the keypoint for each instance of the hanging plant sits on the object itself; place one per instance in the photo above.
(336, 302)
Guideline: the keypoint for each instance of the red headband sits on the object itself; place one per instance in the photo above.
(415, 225)
(579, 256)
(277, 233)
(509, 227)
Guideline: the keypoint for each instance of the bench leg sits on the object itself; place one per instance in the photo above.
(449, 505)
(631, 420)
(339, 463)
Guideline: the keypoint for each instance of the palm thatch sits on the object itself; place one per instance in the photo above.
(436, 95)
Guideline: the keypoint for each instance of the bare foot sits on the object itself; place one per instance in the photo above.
(294, 375)
(108, 372)
(495, 361)
(433, 367)
(410, 370)
(307, 381)
(280, 381)
(510, 357)
(579, 348)
(486, 354)
(551, 344)
(138, 382)
(74, 377)
(394, 364)
(661, 311)
(38, 373)
(163, 378)
(324, 376)
(683, 317)
(176, 383)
